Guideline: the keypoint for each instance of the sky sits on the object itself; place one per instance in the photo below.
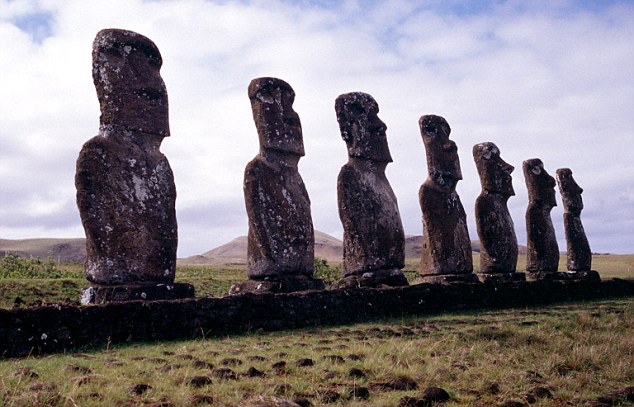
(550, 79)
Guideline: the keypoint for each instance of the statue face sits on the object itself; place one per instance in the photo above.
(495, 173)
(570, 191)
(541, 186)
(126, 73)
(278, 125)
(443, 164)
(361, 128)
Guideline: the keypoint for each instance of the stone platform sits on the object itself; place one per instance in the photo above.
(60, 328)
(284, 284)
(100, 294)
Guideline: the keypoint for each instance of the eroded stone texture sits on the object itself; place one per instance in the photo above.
(498, 243)
(373, 237)
(579, 255)
(280, 251)
(125, 186)
(542, 249)
(446, 245)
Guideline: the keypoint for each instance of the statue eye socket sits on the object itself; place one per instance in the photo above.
(430, 128)
(357, 109)
(265, 97)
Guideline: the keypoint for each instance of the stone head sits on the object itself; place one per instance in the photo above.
(495, 173)
(443, 164)
(361, 128)
(278, 125)
(570, 191)
(540, 185)
(126, 73)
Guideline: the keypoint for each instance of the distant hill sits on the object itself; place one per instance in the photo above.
(234, 253)
(328, 247)
(62, 250)
(414, 247)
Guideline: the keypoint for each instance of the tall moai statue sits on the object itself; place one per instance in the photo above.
(498, 243)
(373, 237)
(542, 257)
(446, 253)
(125, 186)
(579, 255)
(280, 251)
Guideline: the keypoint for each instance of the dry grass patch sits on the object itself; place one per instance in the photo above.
(561, 355)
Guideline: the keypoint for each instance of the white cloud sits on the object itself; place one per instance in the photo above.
(543, 79)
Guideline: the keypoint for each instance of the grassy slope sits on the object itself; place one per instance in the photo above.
(55, 249)
(577, 351)
(211, 281)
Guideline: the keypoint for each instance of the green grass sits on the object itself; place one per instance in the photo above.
(44, 282)
(608, 265)
(210, 281)
(577, 351)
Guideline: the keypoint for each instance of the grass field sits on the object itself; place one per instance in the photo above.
(38, 288)
(570, 354)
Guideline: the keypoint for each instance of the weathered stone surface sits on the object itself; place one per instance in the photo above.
(446, 253)
(281, 236)
(373, 237)
(58, 328)
(98, 294)
(376, 278)
(125, 186)
(578, 248)
(283, 284)
(498, 243)
(542, 249)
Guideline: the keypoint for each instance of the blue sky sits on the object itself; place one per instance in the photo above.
(546, 79)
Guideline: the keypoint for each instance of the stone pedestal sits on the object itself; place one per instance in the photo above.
(546, 275)
(448, 279)
(376, 278)
(98, 294)
(501, 277)
(588, 275)
(284, 284)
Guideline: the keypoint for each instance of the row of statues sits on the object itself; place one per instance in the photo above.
(126, 194)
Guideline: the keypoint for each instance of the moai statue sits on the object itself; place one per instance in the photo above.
(498, 244)
(373, 237)
(579, 255)
(280, 251)
(542, 258)
(446, 253)
(125, 186)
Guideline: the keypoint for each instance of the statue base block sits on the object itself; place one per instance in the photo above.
(98, 294)
(501, 277)
(375, 278)
(448, 278)
(587, 275)
(284, 284)
(547, 275)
